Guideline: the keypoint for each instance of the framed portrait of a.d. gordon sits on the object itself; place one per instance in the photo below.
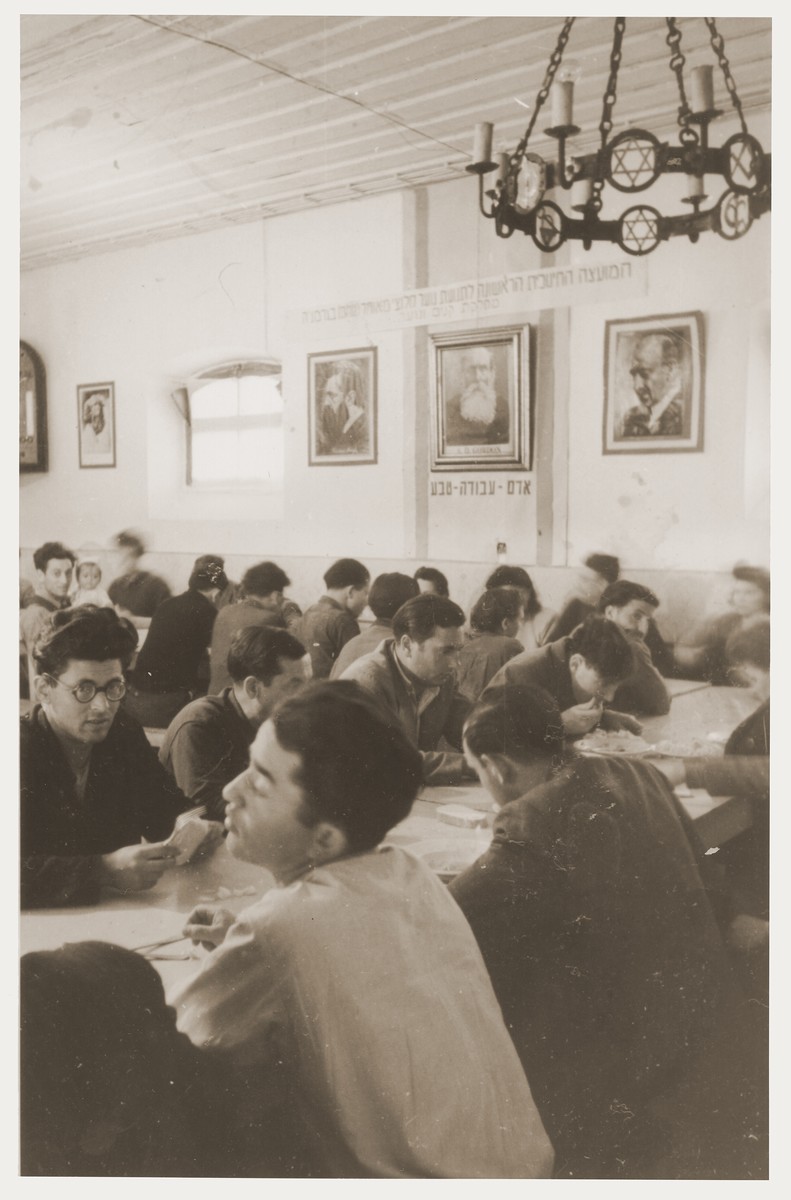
(481, 401)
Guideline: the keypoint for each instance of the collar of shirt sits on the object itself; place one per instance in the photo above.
(421, 693)
(658, 411)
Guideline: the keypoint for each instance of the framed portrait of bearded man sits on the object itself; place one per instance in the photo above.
(480, 400)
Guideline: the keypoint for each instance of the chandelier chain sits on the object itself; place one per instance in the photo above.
(608, 103)
(677, 63)
(718, 45)
(552, 66)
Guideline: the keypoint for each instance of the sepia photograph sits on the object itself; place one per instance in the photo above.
(410, 822)
(481, 400)
(342, 399)
(96, 416)
(654, 384)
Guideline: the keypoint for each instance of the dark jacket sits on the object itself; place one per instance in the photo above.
(426, 717)
(481, 658)
(601, 944)
(206, 746)
(176, 644)
(574, 613)
(324, 630)
(128, 796)
(743, 771)
(230, 620)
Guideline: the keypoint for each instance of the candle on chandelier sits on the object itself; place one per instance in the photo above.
(482, 144)
(562, 102)
(701, 89)
(694, 187)
(503, 164)
(581, 193)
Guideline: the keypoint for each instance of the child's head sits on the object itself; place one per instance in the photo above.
(89, 574)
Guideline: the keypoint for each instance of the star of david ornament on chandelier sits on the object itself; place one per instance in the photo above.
(631, 162)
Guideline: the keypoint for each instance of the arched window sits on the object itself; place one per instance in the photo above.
(235, 425)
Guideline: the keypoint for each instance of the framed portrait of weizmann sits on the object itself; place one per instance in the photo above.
(653, 384)
(342, 407)
(480, 400)
(96, 424)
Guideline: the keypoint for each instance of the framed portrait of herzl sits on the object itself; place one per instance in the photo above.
(96, 424)
(653, 384)
(342, 407)
(481, 400)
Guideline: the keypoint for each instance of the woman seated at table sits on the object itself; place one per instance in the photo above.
(91, 785)
(109, 1086)
(701, 653)
(537, 619)
(494, 623)
(593, 921)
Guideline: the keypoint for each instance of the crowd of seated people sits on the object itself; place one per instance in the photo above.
(584, 966)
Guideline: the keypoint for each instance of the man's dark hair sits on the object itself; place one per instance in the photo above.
(623, 591)
(421, 615)
(388, 592)
(96, 1032)
(505, 576)
(359, 770)
(129, 540)
(750, 645)
(346, 572)
(263, 579)
(87, 633)
(755, 575)
(433, 575)
(495, 606)
(257, 650)
(49, 551)
(208, 573)
(605, 565)
(518, 721)
(603, 646)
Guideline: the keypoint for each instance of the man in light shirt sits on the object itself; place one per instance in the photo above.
(357, 974)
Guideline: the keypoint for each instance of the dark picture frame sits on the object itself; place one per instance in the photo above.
(342, 416)
(653, 384)
(33, 442)
(481, 400)
(96, 424)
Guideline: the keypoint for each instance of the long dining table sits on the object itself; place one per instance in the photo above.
(449, 827)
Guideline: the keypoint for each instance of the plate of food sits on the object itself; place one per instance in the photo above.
(447, 860)
(694, 747)
(613, 741)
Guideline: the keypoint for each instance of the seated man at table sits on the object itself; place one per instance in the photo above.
(581, 672)
(331, 622)
(54, 567)
(388, 592)
(357, 974)
(208, 743)
(263, 604)
(631, 607)
(91, 785)
(593, 920)
(412, 678)
(743, 771)
(495, 621)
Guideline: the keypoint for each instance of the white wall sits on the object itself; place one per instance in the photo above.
(140, 316)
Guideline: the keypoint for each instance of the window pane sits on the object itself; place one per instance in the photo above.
(261, 454)
(215, 399)
(214, 455)
(259, 394)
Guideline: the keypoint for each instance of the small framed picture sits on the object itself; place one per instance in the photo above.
(342, 407)
(653, 384)
(480, 399)
(96, 424)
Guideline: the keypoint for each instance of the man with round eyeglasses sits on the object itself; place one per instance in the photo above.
(92, 786)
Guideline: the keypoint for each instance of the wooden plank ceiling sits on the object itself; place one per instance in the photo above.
(137, 128)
